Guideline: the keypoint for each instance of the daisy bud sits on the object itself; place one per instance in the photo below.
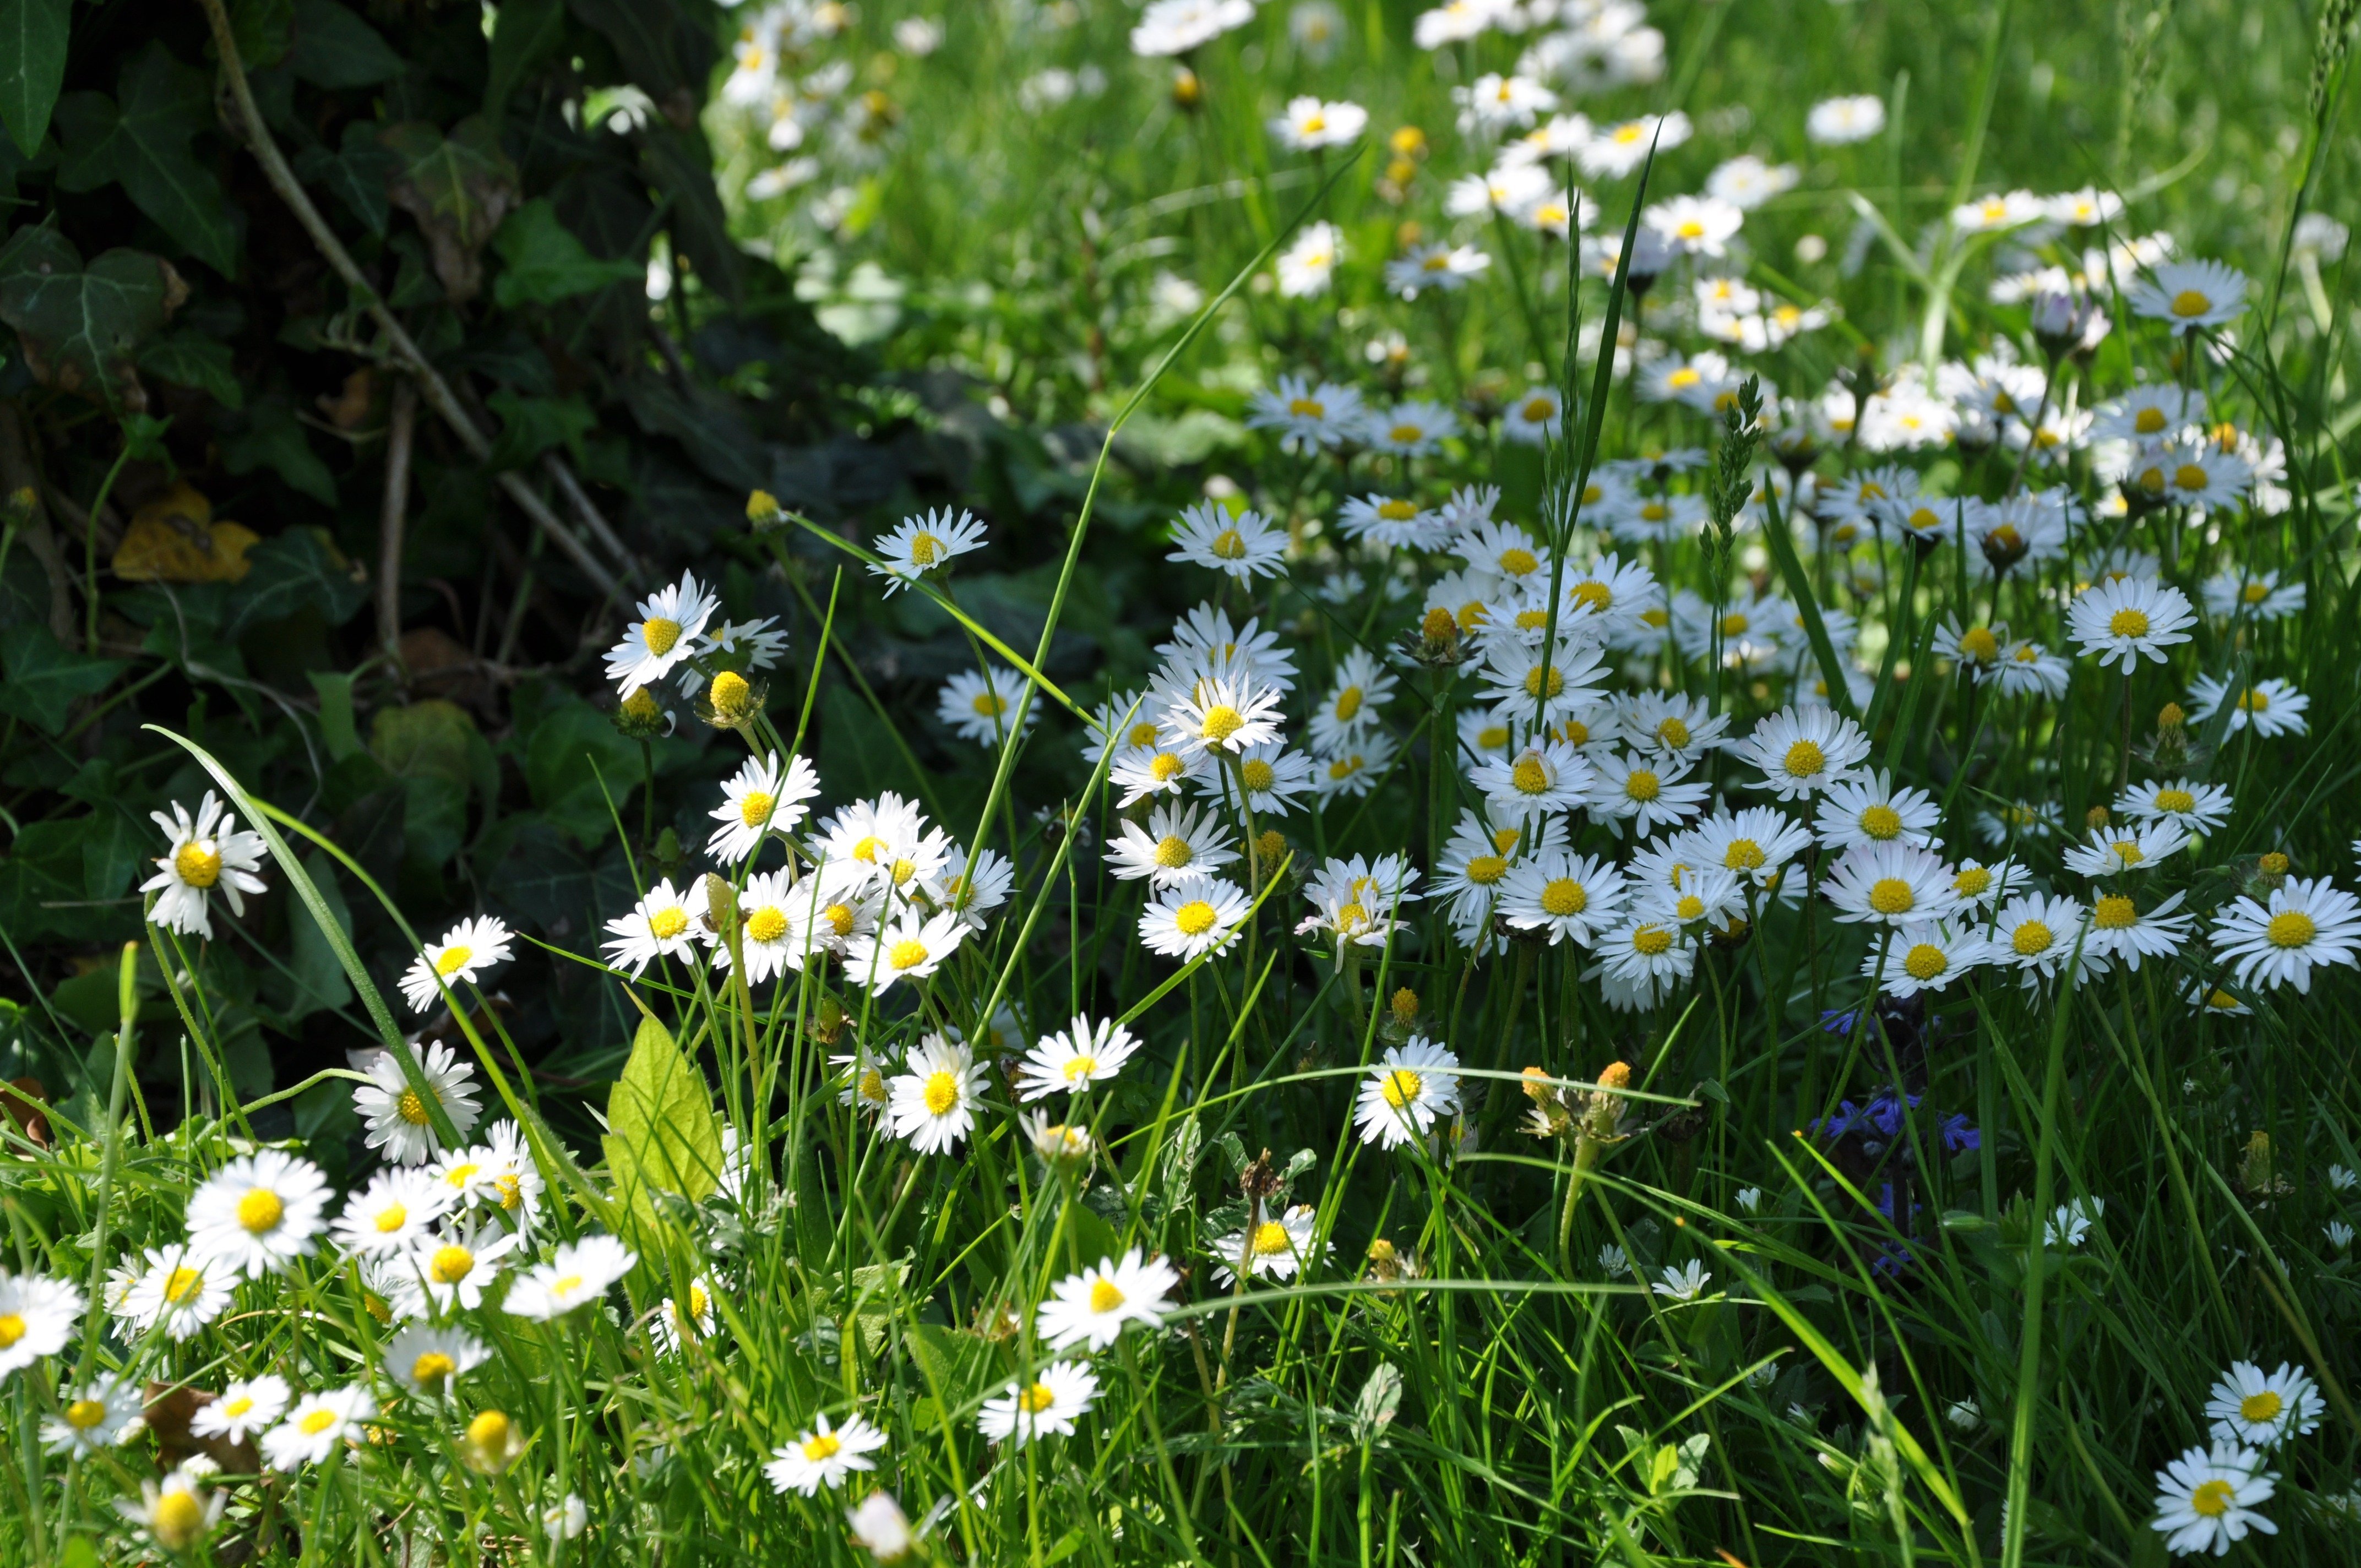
(641, 717)
(763, 510)
(18, 509)
(2096, 817)
(1440, 628)
(1405, 1006)
(1385, 1263)
(491, 1444)
(1188, 90)
(721, 905)
(2171, 716)
(1617, 1076)
(827, 1021)
(1270, 845)
(731, 701)
(2272, 863)
(1538, 1085)
(1401, 172)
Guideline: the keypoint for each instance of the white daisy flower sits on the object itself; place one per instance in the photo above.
(1360, 688)
(877, 1522)
(257, 1213)
(886, 843)
(1524, 680)
(1272, 1248)
(173, 1511)
(2306, 923)
(973, 890)
(2205, 1501)
(1176, 27)
(388, 1216)
(1091, 1308)
(2125, 620)
(2038, 933)
(1802, 750)
(1695, 225)
(1308, 418)
(1140, 775)
(466, 951)
(2258, 596)
(207, 852)
(1274, 778)
(2123, 931)
(924, 543)
(1246, 546)
(1835, 122)
(2271, 707)
(1649, 950)
(93, 1418)
(576, 1275)
(1309, 124)
(1411, 1087)
(1868, 809)
(1178, 843)
(909, 948)
(1218, 714)
(1619, 149)
(400, 1124)
(317, 1426)
(1540, 781)
(980, 705)
(1308, 263)
(1192, 916)
(1435, 265)
(1359, 898)
(1925, 955)
(1686, 1283)
(674, 1325)
(665, 923)
(1644, 790)
(2190, 295)
(758, 800)
(671, 620)
(1069, 1061)
(1754, 844)
(38, 1316)
(426, 1359)
(567, 1518)
(1746, 181)
(933, 1100)
(2189, 804)
(177, 1291)
(2110, 851)
(244, 1409)
(767, 932)
(1534, 419)
(736, 646)
(1393, 522)
(1059, 1395)
(1572, 897)
(2262, 1410)
(452, 1266)
(824, 1455)
(1890, 884)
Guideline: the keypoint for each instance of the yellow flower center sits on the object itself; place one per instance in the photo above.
(668, 923)
(1221, 722)
(1504, 840)
(1105, 1295)
(84, 1414)
(1563, 895)
(1533, 619)
(237, 1407)
(1193, 918)
(2128, 852)
(923, 548)
(1892, 895)
(489, 1432)
(1529, 777)
(755, 810)
(1229, 545)
(1343, 768)
(1486, 870)
(1270, 1238)
(942, 1092)
(1683, 378)
(1971, 882)
(1735, 623)
(766, 924)
(182, 1284)
(1172, 852)
(1881, 821)
(317, 1422)
(1978, 643)
(1037, 1399)
(1401, 1087)
(432, 1367)
(459, 1175)
(821, 1446)
(197, 865)
(2127, 623)
(259, 1210)
(1642, 784)
(1396, 510)
(1519, 562)
(907, 953)
(392, 1218)
(1407, 434)
(1653, 940)
(2290, 928)
(660, 635)
(872, 1087)
(410, 1108)
(1307, 408)
(1080, 1068)
(2212, 1500)
(1654, 511)
(839, 918)
(2175, 800)
(2254, 700)
(451, 1264)
(1744, 855)
(1535, 677)
(2256, 593)
(988, 705)
(2191, 303)
(2263, 1407)
(2115, 913)
(1925, 962)
(12, 1329)
(1804, 759)
(733, 699)
(1540, 408)
(2147, 421)
(1348, 705)
(176, 1518)
(1257, 774)
(2189, 476)
(2031, 938)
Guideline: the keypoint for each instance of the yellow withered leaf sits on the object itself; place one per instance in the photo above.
(174, 539)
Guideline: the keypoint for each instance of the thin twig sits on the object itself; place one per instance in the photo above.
(390, 520)
(437, 391)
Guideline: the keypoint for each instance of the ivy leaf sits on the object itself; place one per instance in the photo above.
(45, 676)
(334, 49)
(425, 746)
(194, 360)
(290, 572)
(356, 172)
(531, 426)
(261, 29)
(522, 32)
(82, 328)
(458, 186)
(271, 437)
(545, 262)
(145, 149)
(32, 67)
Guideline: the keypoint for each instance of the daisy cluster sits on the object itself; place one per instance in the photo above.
(2209, 1498)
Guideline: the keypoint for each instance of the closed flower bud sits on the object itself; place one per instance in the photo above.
(641, 717)
(763, 510)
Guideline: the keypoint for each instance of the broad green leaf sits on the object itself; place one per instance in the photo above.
(32, 67)
(458, 186)
(194, 360)
(659, 1116)
(292, 572)
(261, 29)
(572, 748)
(531, 426)
(356, 172)
(82, 328)
(545, 261)
(426, 745)
(331, 48)
(41, 881)
(44, 677)
(140, 139)
(270, 436)
(523, 33)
